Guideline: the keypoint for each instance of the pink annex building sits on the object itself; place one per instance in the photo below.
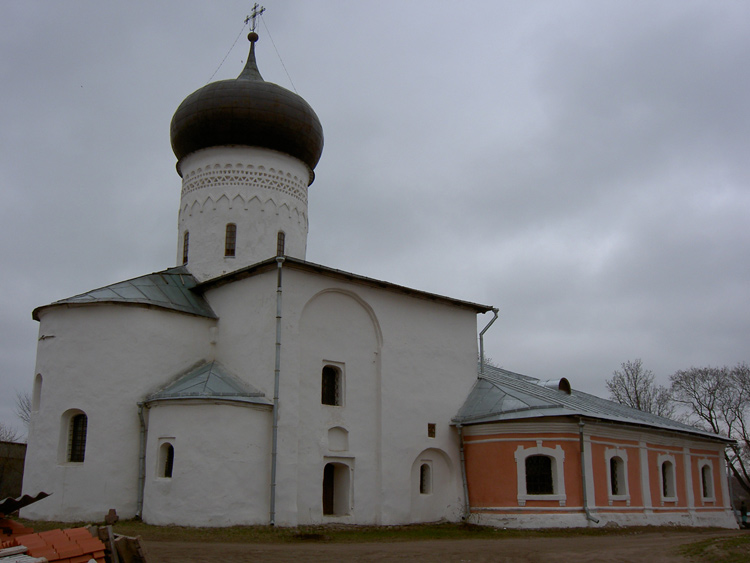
(540, 454)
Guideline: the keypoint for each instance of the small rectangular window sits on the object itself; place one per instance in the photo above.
(280, 243)
(431, 430)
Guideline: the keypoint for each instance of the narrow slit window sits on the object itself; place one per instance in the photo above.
(425, 479)
(166, 464)
(230, 240)
(185, 244)
(707, 481)
(667, 479)
(280, 242)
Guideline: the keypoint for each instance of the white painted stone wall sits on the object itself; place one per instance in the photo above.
(101, 359)
(221, 471)
(260, 190)
(407, 361)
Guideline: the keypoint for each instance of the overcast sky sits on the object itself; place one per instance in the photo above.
(582, 166)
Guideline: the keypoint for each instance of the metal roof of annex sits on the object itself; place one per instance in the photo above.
(500, 395)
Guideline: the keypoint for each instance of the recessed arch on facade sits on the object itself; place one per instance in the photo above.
(366, 306)
(338, 439)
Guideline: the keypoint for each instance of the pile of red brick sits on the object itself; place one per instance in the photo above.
(74, 545)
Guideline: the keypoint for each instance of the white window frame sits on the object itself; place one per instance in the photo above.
(661, 460)
(558, 472)
(609, 453)
(704, 462)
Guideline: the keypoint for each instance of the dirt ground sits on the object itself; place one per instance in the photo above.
(660, 547)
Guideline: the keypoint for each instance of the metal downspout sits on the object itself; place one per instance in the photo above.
(141, 462)
(276, 373)
(481, 340)
(467, 505)
(583, 474)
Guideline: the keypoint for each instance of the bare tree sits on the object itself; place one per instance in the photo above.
(23, 407)
(8, 433)
(719, 401)
(634, 386)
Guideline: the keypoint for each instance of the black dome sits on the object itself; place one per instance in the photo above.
(247, 111)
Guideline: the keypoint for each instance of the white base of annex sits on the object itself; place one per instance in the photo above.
(718, 519)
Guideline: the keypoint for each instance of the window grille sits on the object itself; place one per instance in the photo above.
(280, 242)
(77, 438)
(230, 240)
(331, 386)
(185, 244)
(539, 475)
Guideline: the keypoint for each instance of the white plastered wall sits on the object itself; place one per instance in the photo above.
(220, 475)
(101, 359)
(260, 190)
(408, 362)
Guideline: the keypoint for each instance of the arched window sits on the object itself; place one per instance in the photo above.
(36, 396)
(425, 479)
(616, 476)
(539, 475)
(166, 460)
(280, 241)
(707, 481)
(331, 391)
(77, 438)
(230, 240)
(185, 245)
(667, 479)
(336, 480)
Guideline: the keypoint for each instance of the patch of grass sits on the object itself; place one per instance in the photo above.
(356, 534)
(735, 549)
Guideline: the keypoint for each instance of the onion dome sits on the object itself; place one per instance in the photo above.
(247, 111)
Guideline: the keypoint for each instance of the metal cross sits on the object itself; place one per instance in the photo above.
(254, 16)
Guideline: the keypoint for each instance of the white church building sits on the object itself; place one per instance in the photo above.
(249, 386)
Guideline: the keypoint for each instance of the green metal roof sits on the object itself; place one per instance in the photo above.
(209, 380)
(168, 289)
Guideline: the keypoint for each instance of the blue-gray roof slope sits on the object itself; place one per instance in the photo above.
(209, 380)
(502, 395)
(169, 289)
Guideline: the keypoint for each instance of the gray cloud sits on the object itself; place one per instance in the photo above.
(580, 165)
